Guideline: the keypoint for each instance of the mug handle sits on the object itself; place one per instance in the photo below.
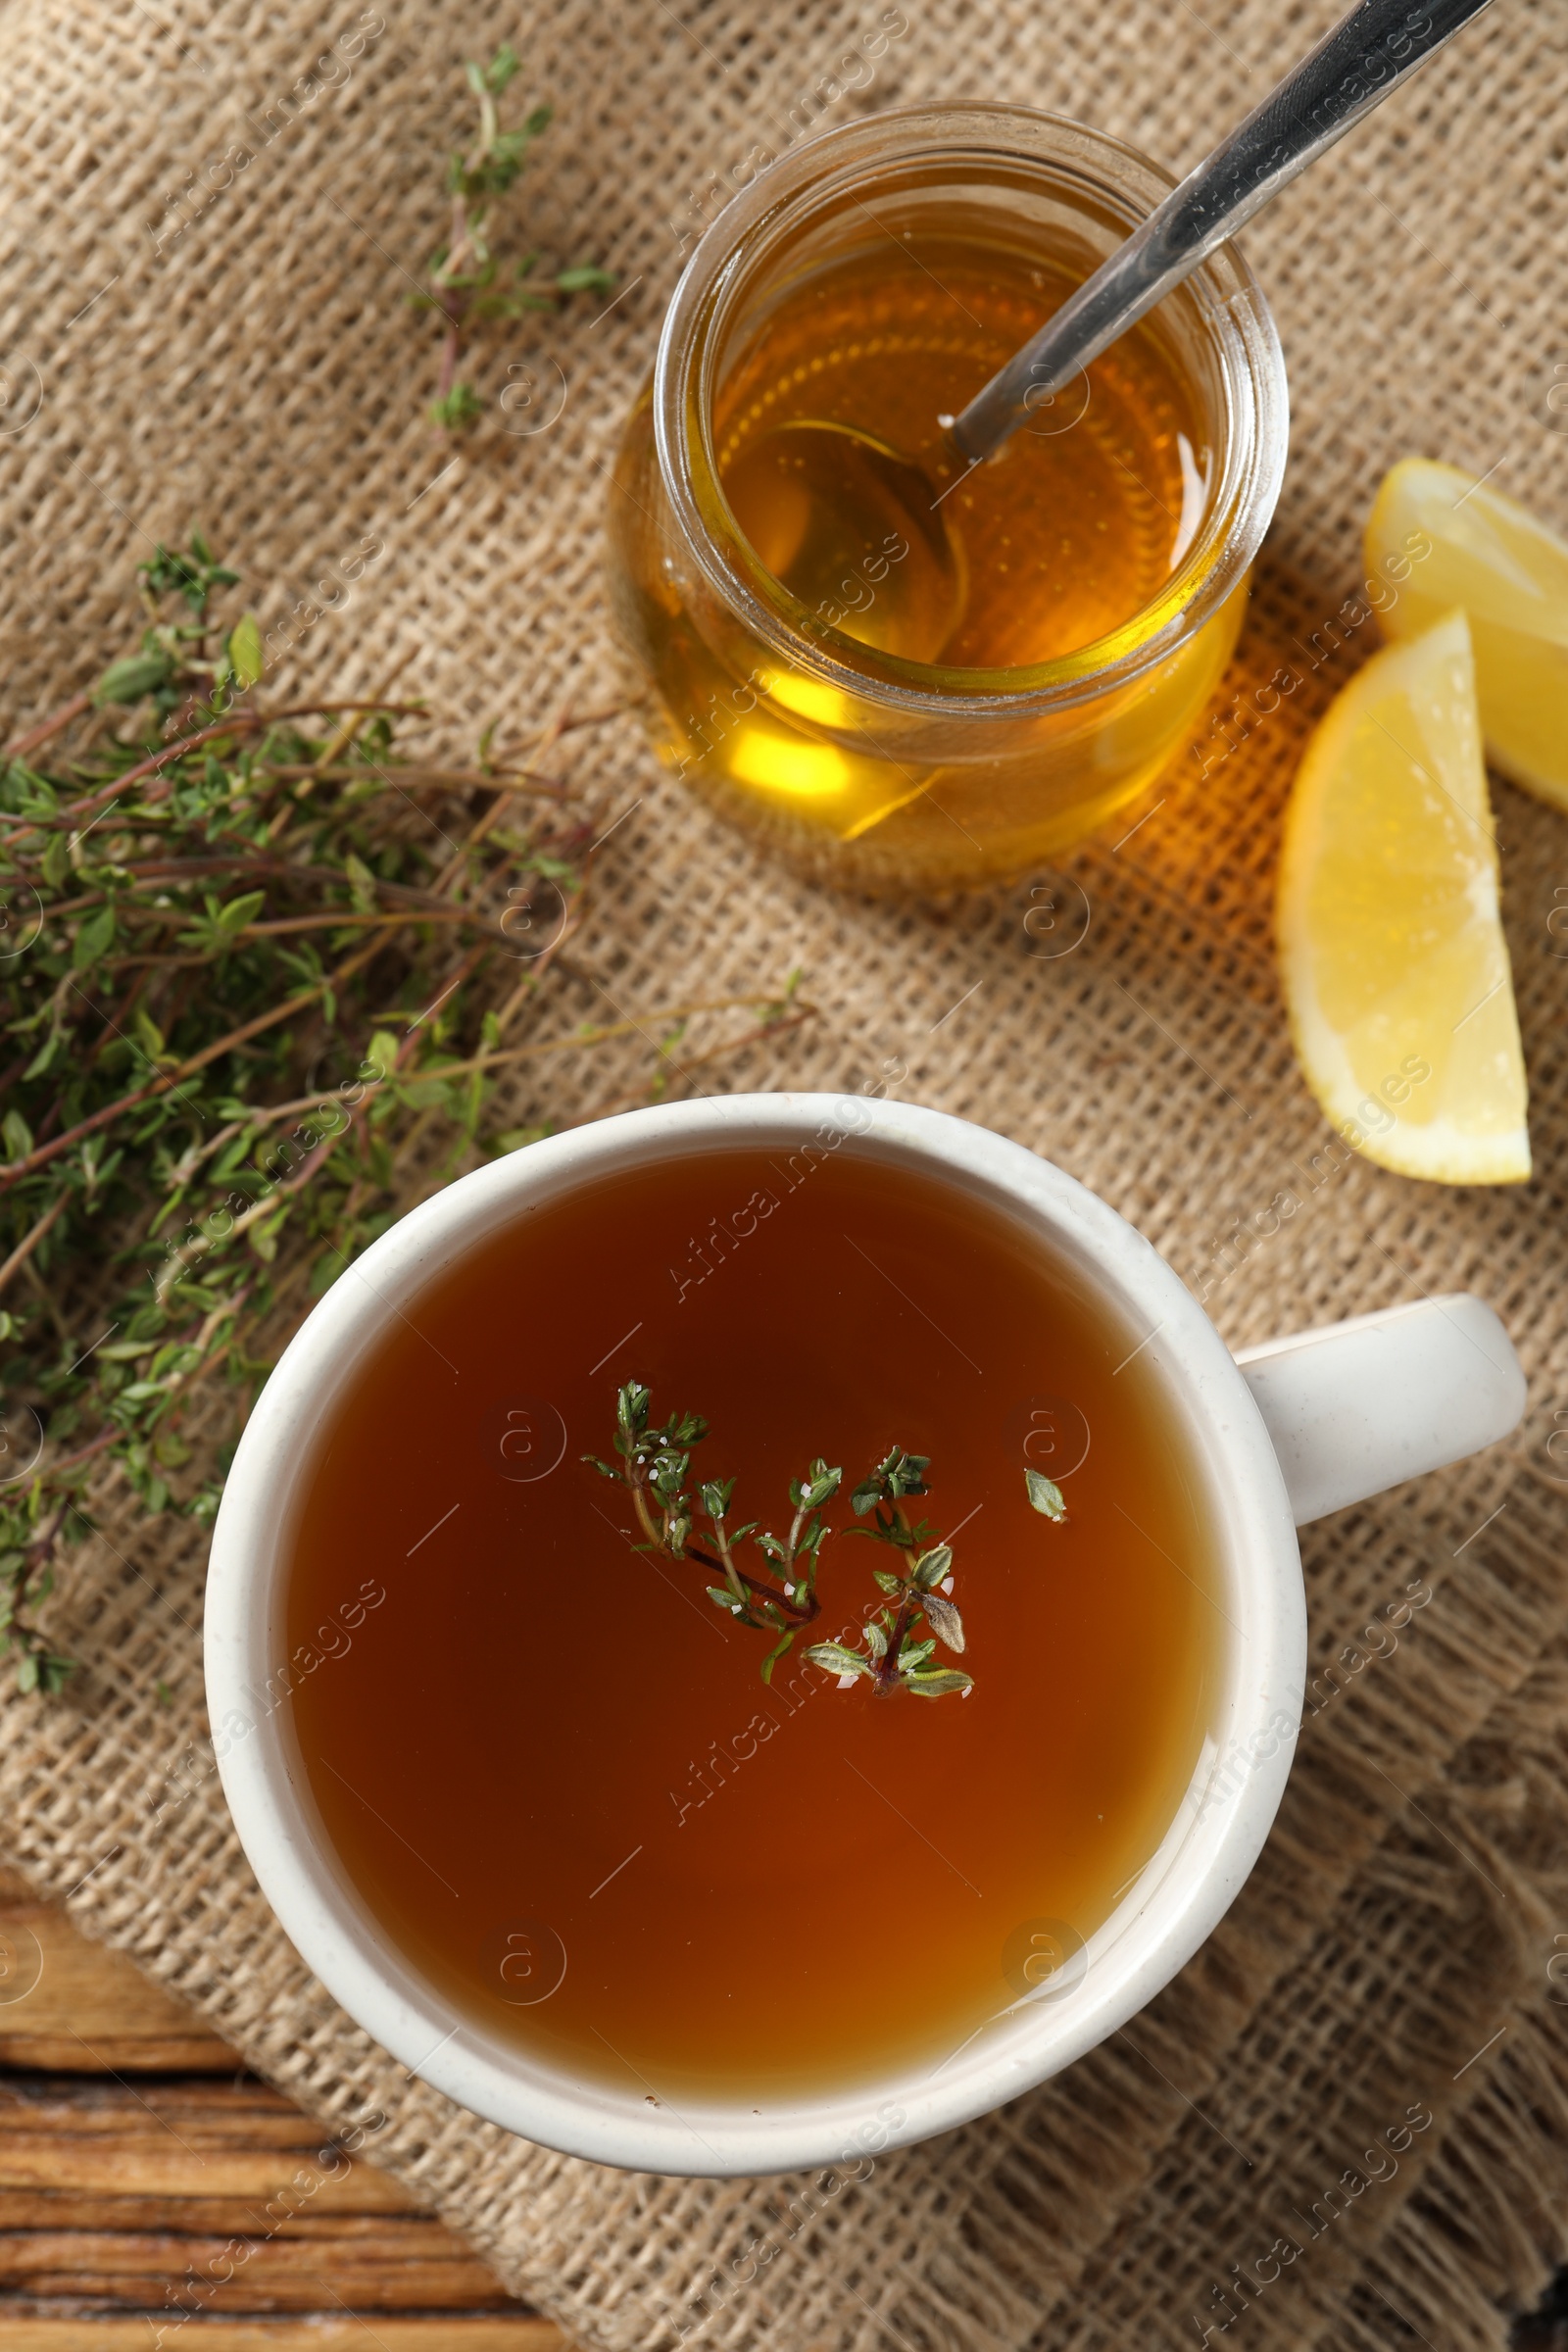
(1362, 1405)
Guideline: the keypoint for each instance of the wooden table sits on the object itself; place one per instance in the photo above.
(135, 2147)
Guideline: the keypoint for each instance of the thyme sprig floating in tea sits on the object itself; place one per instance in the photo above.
(251, 954)
(469, 283)
(898, 1642)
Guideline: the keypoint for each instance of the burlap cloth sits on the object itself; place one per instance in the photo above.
(256, 373)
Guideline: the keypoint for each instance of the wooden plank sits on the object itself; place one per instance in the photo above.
(229, 2146)
(240, 2111)
(204, 2210)
(222, 2217)
(114, 2193)
(324, 2331)
(90, 2008)
(410, 2263)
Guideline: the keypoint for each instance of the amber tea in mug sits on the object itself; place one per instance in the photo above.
(548, 1763)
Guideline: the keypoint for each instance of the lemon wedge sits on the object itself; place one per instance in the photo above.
(1439, 538)
(1394, 966)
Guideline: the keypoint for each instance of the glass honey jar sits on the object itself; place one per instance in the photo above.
(900, 672)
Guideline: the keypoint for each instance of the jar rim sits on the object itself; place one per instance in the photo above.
(1231, 308)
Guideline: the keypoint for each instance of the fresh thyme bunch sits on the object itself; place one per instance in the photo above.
(243, 967)
(469, 283)
(900, 1640)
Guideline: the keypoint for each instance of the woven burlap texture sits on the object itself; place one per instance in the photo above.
(191, 337)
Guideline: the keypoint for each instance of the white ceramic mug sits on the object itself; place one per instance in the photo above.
(1281, 1435)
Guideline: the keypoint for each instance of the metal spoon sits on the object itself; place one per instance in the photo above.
(851, 490)
(851, 530)
(1369, 53)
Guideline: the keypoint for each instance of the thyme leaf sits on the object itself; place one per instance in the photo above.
(1045, 1496)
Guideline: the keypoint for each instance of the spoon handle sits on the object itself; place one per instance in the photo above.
(1352, 69)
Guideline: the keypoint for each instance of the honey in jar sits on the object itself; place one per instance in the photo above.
(902, 672)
